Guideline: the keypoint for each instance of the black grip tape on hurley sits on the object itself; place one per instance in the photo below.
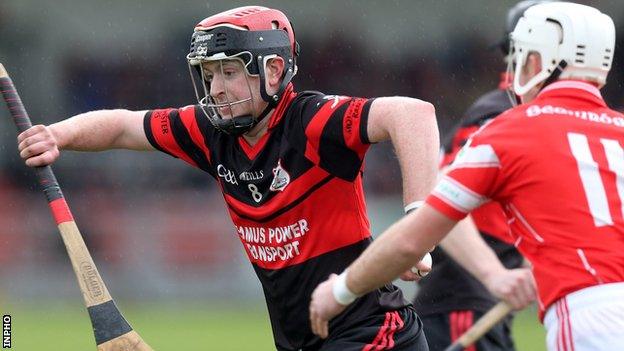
(45, 177)
(107, 322)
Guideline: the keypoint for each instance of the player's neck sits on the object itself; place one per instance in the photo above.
(258, 131)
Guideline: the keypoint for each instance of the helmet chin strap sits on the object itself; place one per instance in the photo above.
(555, 74)
(240, 125)
(273, 99)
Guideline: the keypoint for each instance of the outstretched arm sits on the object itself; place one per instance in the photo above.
(395, 251)
(404, 243)
(410, 124)
(465, 245)
(91, 131)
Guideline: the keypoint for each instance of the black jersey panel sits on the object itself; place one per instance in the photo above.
(335, 155)
(182, 136)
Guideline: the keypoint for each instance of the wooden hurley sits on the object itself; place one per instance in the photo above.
(112, 331)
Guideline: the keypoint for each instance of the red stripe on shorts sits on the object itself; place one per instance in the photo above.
(566, 313)
(453, 326)
(468, 323)
(561, 346)
(385, 337)
(398, 326)
(380, 334)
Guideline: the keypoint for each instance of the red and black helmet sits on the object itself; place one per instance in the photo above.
(252, 18)
(252, 34)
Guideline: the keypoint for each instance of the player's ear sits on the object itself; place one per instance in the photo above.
(274, 71)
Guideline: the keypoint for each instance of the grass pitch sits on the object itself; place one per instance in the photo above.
(185, 327)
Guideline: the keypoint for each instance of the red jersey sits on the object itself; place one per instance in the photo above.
(556, 165)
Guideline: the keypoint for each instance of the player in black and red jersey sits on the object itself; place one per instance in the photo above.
(449, 299)
(289, 165)
(555, 164)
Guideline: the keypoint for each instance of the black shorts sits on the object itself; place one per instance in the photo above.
(442, 329)
(400, 330)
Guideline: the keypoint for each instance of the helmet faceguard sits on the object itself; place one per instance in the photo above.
(574, 42)
(212, 108)
(250, 35)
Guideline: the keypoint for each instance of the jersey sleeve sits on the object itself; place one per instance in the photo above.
(335, 133)
(474, 177)
(179, 133)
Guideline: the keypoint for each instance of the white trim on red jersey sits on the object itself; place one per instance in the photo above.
(480, 156)
(573, 84)
(524, 222)
(457, 195)
(588, 266)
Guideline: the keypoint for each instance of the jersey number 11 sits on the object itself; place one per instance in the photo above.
(589, 171)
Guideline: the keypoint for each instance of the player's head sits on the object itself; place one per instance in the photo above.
(513, 15)
(244, 58)
(560, 40)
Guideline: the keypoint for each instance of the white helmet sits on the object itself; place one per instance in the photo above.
(574, 41)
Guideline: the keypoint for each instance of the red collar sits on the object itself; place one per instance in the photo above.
(276, 117)
(278, 112)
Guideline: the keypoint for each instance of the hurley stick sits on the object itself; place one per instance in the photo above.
(112, 331)
(483, 325)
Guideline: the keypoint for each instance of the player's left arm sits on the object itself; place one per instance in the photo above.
(410, 124)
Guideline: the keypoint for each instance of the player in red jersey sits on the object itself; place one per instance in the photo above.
(450, 299)
(555, 163)
(289, 165)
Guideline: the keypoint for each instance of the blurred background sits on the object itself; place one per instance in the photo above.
(158, 229)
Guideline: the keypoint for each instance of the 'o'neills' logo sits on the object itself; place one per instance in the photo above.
(281, 178)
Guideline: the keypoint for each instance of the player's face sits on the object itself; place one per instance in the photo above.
(236, 92)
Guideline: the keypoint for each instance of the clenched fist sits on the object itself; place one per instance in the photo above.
(38, 146)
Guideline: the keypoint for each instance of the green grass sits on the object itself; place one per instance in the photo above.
(529, 333)
(226, 327)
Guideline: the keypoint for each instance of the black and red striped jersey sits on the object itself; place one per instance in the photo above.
(449, 287)
(295, 199)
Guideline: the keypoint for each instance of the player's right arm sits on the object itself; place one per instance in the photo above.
(92, 131)
(465, 246)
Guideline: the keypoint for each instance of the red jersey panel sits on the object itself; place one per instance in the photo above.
(557, 167)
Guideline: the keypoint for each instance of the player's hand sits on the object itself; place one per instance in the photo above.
(515, 286)
(324, 307)
(418, 271)
(37, 146)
